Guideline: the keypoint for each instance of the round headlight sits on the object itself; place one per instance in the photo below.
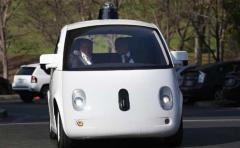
(166, 99)
(78, 99)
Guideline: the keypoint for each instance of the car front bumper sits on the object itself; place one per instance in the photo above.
(80, 128)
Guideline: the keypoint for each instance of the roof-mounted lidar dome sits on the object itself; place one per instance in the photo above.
(108, 11)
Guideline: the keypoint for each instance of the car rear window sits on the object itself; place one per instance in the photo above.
(25, 71)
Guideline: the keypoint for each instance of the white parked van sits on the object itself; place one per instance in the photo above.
(123, 86)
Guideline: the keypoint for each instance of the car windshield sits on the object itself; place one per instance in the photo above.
(25, 71)
(115, 47)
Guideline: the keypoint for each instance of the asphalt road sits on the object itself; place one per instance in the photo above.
(27, 127)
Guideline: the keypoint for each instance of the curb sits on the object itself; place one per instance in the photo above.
(10, 98)
(223, 103)
(205, 104)
(3, 113)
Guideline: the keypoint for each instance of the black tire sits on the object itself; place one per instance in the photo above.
(52, 135)
(218, 95)
(188, 100)
(176, 139)
(3, 90)
(26, 97)
(44, 92)
(62, 139)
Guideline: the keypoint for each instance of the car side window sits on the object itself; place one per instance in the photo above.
(226, 68)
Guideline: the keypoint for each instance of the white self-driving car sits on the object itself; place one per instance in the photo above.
(106, 96)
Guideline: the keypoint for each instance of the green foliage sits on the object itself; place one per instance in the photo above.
(100, 44)
(35, 25)
(24, 38)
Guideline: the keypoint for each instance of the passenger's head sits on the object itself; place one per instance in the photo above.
(86, 46)
(82, 45)
(122, 45)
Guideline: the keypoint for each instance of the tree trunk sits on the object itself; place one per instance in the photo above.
(181, 46)
(168, 17)
(218, 47)
(4, 16)
(198, 54)
(3, 55)
(217, 32)
(222, 46)
(209, 43)
(5, 66)
(111, 46)
(3, 50)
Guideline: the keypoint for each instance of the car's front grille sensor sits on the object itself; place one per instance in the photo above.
(123, 100)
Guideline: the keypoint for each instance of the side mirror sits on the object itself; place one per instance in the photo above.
(48, 61)
(180, 58)
(43, 67)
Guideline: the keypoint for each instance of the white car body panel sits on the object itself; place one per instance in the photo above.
(108, 22)
(102, 115)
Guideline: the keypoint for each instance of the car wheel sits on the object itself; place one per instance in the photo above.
(44, 91)
(62, 139)
(26, 97)
(176, 139)
(188, 100)
(218, 95)
(52, 135)
(3, 90)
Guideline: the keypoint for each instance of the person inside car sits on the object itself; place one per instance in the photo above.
(123, 48)
(82, 52)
